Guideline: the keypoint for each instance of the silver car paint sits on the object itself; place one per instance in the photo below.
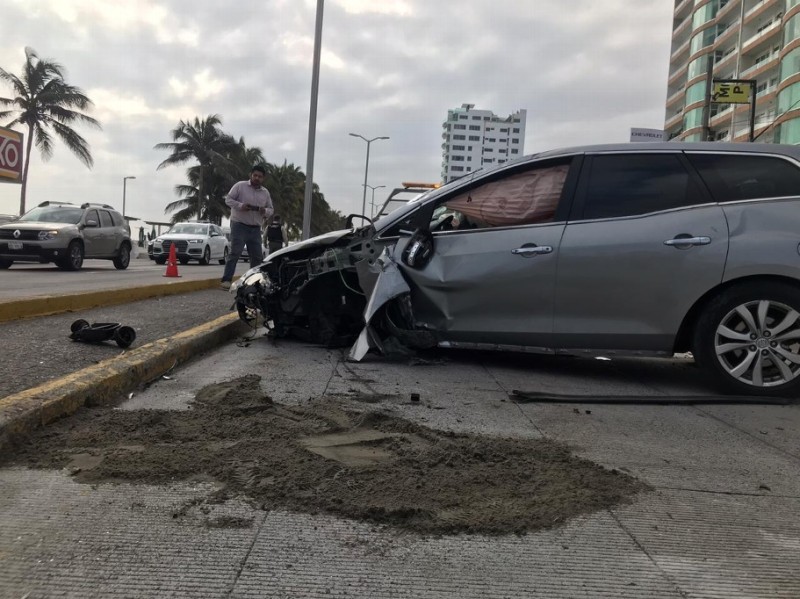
(765, 238)
(619, 286)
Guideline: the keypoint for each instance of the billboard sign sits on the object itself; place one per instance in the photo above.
(732, 92)
(10, 156)
(639, 134)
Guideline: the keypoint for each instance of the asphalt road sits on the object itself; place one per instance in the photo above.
(34, 280)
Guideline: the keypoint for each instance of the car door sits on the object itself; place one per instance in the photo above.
(108, 234)
(644, 243)
(492, 283)
(92, 234)
(217, 241)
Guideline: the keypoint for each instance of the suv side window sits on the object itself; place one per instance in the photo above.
(734, 177)
(91, 215)
(105, 219)
(116, 217)
(632, 184)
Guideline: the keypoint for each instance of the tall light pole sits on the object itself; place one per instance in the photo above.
(372, 210)
(312, 122)
(124, 185)
(366, 169)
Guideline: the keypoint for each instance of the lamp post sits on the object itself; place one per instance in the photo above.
(124, 185)
(372, 210)
(366, 169)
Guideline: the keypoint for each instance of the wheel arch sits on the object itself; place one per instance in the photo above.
(683, 340)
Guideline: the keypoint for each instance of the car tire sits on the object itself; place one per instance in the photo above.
(160, 260)
(748, 339)
(74, 258)
(206, 256)
(124, 336)
(224, 256)
(5, 263)
(123, 259)
(183, 261)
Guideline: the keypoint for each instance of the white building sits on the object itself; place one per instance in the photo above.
(478, 138)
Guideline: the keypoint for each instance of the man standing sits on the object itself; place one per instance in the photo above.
(275, 235)
(250, 204)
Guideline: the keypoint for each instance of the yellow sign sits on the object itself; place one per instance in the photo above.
(731, 92)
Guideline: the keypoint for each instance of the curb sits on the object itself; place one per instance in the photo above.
(104, 382)
(57, 304)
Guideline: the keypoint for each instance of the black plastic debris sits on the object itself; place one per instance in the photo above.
(102, 331)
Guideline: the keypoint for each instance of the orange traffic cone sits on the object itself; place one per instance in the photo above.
(172, 263)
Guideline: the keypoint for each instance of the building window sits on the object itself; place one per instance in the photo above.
(503, 141)
(515, 151)
(503, 130)
(457, 159)
(515, 141)
(476, 118)
(474, 138)
(503, 151)
(463, 117)
(474, 127)
(459, 137)
(469, 148)
(457, 169)
(491, 139)
(488, 160)
(515, 130)
(458, 148)
(488, 149)
(460, 127)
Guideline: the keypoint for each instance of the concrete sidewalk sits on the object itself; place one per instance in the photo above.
(722, 520)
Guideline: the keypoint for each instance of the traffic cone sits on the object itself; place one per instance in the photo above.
(172, 263)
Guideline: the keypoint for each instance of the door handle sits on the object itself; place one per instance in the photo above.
(687, 241)
(526, 251)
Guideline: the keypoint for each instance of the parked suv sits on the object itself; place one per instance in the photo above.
(203, 242)
(66, 234)
(658, 249)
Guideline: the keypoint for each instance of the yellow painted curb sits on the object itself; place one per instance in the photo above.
(57, 304)
(106, 381)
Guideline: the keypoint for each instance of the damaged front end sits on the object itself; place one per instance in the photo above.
(335, 290)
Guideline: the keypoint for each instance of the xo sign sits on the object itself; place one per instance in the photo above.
(10, 155)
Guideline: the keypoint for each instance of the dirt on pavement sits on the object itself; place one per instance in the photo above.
(332, 456)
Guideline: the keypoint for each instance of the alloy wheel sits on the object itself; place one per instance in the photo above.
(758, 343)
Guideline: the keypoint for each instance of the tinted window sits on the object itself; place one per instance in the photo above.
(116, 217)
(732, 177)
(105, 219)
(627, 185)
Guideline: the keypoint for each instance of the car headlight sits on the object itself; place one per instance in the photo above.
(195, 241)
(47, 235)
(251, 277)
(158, 240)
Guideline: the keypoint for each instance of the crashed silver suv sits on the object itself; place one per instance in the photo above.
(637, 249)
(66, 233)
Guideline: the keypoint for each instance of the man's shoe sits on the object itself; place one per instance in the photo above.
(226, 285)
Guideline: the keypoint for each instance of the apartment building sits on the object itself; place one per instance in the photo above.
(743, 39)
(474, 138)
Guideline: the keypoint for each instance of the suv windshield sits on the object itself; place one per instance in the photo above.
(53, 214)
(188, 229)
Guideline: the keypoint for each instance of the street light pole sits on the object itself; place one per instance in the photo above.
(124, 185)
(366, 170)
(312, 123)
(372, 210)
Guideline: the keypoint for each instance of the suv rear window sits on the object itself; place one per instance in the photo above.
(53, 214)
(736, 177)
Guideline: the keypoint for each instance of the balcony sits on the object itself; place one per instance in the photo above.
(682, 7)
(674, 120)
(768, 63)
(727, 8)
(758, 7)
(762, 35)
(676, 96)
(680, 51)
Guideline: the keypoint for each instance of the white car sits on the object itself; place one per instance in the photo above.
(203, 242)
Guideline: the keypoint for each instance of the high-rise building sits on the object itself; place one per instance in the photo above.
(744, 39)
(474, 138)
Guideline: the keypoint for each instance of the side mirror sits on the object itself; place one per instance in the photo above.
(349, 221)
(91, 223)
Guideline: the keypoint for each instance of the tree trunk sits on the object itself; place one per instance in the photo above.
(24, 186)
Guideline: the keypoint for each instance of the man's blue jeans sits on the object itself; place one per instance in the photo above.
(241, 236)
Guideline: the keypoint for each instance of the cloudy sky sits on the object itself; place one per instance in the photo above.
(586, 71)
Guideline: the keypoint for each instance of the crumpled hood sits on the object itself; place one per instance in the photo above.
(319, 241)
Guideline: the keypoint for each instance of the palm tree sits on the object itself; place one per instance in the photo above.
(204, 141)
(44, 101)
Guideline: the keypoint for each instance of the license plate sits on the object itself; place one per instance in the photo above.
(15, 245)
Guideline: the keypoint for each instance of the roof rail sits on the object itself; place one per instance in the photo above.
(54, 202)
(95, 205)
